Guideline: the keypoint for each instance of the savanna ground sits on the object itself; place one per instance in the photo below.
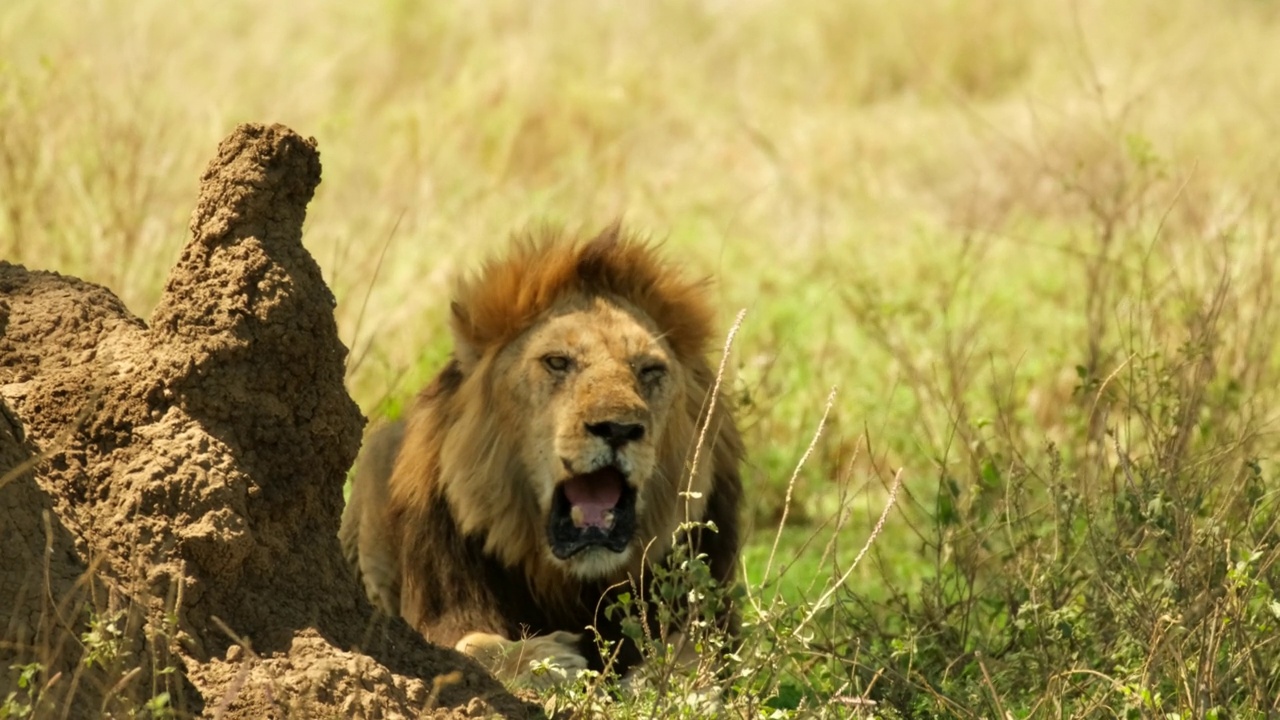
(1032, 246)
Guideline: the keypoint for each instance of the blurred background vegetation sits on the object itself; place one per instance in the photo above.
(1033, 245)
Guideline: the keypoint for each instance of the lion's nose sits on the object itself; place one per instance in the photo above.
(616, 434)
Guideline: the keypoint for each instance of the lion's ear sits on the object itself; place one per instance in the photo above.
(464, 345)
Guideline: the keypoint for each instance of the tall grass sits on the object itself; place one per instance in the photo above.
(1122, 562)
(1031, 243)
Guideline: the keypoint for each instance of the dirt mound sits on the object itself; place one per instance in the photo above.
(170, 492)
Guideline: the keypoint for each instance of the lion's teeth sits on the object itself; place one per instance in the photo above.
(576, 515)
(608, 519)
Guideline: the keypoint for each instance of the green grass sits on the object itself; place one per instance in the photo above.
(1031, 244)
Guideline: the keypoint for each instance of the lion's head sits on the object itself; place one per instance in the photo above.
(568, 420)
(596, 385)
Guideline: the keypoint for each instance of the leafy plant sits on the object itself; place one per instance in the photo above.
(22, 703)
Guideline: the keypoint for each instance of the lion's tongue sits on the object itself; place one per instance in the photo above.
(595, 494)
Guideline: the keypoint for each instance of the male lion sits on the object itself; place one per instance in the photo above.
(548, 466)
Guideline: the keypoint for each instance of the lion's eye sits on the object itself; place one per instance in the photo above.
(556, 363)
(650, 374)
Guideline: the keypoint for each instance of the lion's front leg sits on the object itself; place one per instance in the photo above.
(523, 662)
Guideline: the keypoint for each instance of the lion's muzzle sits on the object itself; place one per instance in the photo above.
(593, 509)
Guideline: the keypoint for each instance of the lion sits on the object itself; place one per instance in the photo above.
(549, 466)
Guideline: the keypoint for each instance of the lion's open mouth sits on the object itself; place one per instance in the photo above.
(597, 508)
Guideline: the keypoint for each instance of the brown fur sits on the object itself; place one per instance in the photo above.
(458, 508)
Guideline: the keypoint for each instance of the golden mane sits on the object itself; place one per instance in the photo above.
(462, 436)
(509, 293)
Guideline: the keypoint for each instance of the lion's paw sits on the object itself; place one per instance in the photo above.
(550, 660)
(537, 662)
